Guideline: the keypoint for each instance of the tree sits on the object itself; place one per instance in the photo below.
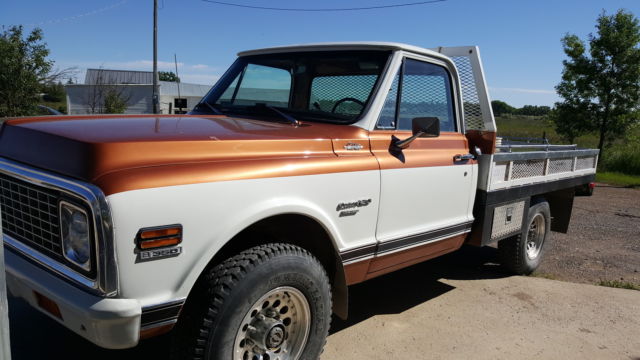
(600, 87)
(533, 110)
(105, 98)
(114, 102)
(168, 76)
(501, 108)
(23, 67)
(54, 92)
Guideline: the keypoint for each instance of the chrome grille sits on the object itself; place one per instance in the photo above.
(30, 215)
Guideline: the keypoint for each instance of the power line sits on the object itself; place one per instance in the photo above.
(75, 17)
(326, 9)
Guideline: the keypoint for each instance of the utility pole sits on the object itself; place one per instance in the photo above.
(5, 347)
(155, 96)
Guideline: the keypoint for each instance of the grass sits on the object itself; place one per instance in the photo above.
(622, 156)
(615, 178)
(619, 284)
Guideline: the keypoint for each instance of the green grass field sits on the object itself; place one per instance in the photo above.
(622, 157)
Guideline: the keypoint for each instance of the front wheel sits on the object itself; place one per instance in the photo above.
(522, 253)
(271, 302)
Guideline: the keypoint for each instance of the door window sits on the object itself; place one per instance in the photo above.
(424, 91)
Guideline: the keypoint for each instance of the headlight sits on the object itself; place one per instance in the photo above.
(74, 226)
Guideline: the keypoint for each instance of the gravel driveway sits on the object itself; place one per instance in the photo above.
(603, 242)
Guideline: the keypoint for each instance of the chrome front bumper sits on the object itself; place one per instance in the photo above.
(107, 322)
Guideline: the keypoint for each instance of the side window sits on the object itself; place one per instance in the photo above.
(425, 91)
(259, 84)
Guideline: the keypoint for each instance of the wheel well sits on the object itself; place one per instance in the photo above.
(301, 231)
(560, 205)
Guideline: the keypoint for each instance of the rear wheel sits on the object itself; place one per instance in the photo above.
(521, 254)
(271, 302)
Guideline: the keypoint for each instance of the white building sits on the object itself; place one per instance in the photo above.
(136, 87)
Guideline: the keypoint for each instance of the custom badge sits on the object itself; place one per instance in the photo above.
(149, 255)
(351, 208)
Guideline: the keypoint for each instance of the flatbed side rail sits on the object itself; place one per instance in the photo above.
(504, 170)
(545, 147)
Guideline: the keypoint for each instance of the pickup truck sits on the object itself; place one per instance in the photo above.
(238, 228)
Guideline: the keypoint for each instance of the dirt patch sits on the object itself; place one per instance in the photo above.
(603, 242)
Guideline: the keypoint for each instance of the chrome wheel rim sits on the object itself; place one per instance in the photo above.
(535, 236)
(276, 327)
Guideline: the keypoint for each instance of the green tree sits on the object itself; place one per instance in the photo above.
(168, 76)
(600, 86)
(501, 108)
(533, 110)
(54, 92)
(114, 102)
(23, 67)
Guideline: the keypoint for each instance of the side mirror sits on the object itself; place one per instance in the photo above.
(427, 126)
(422, 127)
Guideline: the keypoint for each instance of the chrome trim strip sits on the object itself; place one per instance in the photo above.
(416, 244)
(161, 314)
(404, 243)
(45, 261)
(106, 282)
(163, 305)
(155, 325)
(356, 260)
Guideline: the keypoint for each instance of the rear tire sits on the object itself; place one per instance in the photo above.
(521, 254)
(269, 302)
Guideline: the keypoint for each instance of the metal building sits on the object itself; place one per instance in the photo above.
(135, 87)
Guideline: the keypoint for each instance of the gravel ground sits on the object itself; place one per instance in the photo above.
(603, 242)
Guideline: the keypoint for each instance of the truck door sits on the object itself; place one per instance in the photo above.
(427, 189)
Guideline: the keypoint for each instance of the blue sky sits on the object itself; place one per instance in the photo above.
(519, 39)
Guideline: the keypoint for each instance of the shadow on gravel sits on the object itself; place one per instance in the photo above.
(35, 336)
(401, 290)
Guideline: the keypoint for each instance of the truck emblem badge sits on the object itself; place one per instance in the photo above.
(348, 213)
(351, 207)
(159, 253)
(353, 146)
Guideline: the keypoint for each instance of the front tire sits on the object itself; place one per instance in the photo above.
(521, 254)
(269, 302)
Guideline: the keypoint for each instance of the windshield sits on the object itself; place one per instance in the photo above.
(316, 86)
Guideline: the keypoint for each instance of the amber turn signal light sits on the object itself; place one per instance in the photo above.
(48, 305)
(161, 236)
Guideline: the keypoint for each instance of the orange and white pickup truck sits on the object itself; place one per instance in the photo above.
(240, 226)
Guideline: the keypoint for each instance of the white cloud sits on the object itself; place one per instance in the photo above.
(526, 91)
(200, 67)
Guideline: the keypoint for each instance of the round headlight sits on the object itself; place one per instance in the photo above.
(76, 244)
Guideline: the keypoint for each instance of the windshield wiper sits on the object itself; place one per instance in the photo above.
(211, 107)
(284, 115)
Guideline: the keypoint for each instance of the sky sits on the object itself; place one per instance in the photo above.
(519, 40)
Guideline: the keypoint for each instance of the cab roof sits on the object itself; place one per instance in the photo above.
(333, 46)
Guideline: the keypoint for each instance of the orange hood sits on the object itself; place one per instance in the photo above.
(89, 147)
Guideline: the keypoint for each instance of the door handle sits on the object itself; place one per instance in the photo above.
(465, 157)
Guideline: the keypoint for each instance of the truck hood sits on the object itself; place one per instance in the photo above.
(88, 147)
